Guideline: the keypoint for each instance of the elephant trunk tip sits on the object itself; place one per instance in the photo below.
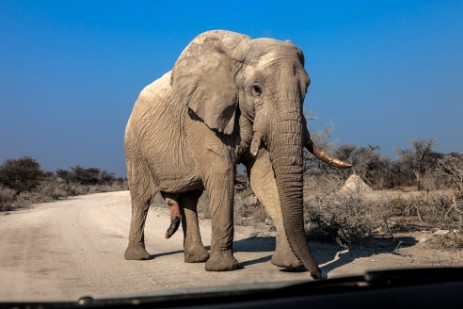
(317, 274)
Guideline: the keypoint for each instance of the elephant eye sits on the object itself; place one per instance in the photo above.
(256, 90)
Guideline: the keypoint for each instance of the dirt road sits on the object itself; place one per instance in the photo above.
(74, 247)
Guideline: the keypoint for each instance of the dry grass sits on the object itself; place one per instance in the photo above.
(48, 191)
(354, 219)
(347, 222)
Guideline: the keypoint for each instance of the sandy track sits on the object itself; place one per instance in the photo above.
(72, 248)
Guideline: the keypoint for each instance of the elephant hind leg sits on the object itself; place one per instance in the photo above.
(136, 247)
(192, 243)
(142, 189)
(183, 208)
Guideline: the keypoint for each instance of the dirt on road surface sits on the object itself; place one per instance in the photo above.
(72, 248)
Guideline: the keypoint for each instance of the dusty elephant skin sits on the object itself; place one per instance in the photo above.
(228, 99)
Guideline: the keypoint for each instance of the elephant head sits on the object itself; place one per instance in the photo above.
(222, 76)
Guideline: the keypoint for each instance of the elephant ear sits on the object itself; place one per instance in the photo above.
(203, 79)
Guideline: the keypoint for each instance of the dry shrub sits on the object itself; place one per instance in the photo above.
(26, 199)
(53, 190)
(50, 190)
(451, 240)
(354, 219)
(347, 221)
(44, 193)
(423, 212)
(322, 185)
(73, 189)
(7, 199)
(248, 211)
(251, 215)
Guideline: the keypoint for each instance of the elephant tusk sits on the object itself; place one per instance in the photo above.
(325, 157)
(255, 143)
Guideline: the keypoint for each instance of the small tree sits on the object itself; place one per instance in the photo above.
(396, 176)
(65, 175)
(23, 174)
(366, 163)
(419, 160)
(85, 176)
(107, 177)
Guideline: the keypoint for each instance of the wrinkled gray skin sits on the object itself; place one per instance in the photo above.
(190, 128)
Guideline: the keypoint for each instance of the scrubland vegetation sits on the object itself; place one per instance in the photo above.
(419, 191)
(422, 190)
(24, 182)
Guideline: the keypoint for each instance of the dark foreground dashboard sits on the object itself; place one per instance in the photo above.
(404, 288)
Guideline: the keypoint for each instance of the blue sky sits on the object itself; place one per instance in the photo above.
(383, 72)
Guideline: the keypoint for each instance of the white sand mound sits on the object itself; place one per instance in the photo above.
(355, 184)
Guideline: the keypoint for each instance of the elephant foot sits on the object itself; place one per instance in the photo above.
(136, 252)
(286, 260)
(196, 254)
(222, 261)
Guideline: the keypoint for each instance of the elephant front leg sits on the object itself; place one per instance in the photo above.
(220, 186)
(263, 184)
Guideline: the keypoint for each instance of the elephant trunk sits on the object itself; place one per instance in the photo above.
(286, 153)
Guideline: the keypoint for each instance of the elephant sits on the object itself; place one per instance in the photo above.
(229, 99)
